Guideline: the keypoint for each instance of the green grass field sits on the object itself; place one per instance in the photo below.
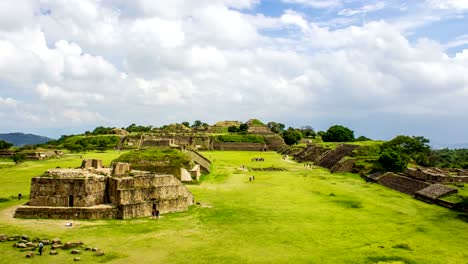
(288, 214)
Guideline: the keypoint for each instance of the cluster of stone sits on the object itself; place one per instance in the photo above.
(23, 243)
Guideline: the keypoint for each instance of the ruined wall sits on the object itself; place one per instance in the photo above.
(151, 143)
(136, 196)
(239, 146)
(200, 160)
(434, 175)
(401, 183)
(274, 141)
(97, 212)
(86, 191)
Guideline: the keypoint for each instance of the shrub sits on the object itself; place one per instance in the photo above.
(393, 160)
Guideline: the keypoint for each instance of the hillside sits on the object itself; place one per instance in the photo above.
(21, 139)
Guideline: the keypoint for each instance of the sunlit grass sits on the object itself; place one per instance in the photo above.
(298, 215)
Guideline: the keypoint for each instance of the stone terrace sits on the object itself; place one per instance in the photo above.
(401, 183)
(435, 191)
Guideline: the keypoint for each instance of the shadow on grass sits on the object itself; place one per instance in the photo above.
(349, 203)
(389, 259)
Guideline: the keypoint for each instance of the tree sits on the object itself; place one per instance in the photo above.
(409, 146)
(392, 160)
(5, 145)
(276, 127)
(185, 123)
(18, 157)
(233, 129)
(292, 136)
(243, 127)
(338, 133)
(308, 131)
(197, 123)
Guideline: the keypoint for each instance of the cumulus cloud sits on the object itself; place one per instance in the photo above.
(119, 62)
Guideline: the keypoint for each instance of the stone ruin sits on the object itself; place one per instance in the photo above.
(95, 192)
(438, 175)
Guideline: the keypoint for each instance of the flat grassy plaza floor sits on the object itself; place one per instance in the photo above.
(288, 214)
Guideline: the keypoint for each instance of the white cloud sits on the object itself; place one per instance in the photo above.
(316, 3)
(457, 5)
(362, 10)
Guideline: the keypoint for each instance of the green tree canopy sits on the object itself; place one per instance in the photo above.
(276, 127)
(18, 157)
(338, 133)
(5, 145)
(292, 136)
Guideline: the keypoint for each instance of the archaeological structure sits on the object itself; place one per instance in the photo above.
(95, 192)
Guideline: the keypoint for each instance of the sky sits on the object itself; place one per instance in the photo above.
(382, 68)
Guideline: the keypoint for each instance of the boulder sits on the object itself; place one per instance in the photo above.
(25, 237)
(77, 259)
(69, 245)
(45, 241)
(95, 249)
(21, 245)
(88, 248)
(76, 251)
(99, 253)
(31, 244)
(56, 241)
(11, 239)
(53, 252)
(30, 254)
(16, 236)
(56, 246)
(3, 238)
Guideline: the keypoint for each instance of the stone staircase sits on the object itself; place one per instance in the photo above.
(331, 157)
(401, 183)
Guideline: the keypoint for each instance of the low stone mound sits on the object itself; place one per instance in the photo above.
(268, 169)
(435, 191)
(401, 183)
(331, 157)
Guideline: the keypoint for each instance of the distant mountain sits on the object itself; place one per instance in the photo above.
(21, 139)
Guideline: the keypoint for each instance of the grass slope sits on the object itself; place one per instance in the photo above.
(293, 216)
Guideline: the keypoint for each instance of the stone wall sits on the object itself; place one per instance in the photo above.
(200, 160)
(435, 175)
(79, 192)
(401, 183)
(96, 212)
(137, 196)
(239, 146)
(151, 143)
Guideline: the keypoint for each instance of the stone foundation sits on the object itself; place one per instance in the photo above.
(94, 212)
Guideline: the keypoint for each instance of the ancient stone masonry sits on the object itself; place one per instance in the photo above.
(96, 192)
(438, 175)
(240, 146)
(32, 155)
(401, 183)
(434, 192)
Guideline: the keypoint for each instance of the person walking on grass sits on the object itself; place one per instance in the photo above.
(41, 247)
